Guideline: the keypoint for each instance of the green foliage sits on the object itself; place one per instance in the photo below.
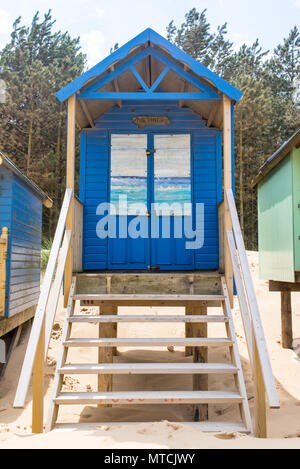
(35, 64)
(38, 61)
(45, 253)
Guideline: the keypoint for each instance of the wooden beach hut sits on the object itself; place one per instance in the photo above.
(21, 202)
(278, 192)
(156, 127)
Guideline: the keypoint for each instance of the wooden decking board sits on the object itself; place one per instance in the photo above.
(150, 397)
(207, 426)
(147, 342)
(147, 297)
(149, 368)
(143, 318)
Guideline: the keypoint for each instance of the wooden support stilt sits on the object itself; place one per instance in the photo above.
(188, 326)
(189, 330)
(260, 410)
(286, 320)
(38, 386)
(200, 355)
(70, 185)
(227, 161)
(106, 354)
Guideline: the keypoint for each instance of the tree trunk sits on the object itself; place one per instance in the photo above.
(241, 177)
(29, 145)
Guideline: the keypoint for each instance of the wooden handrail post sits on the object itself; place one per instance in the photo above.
(70, 185)
(38, 386)
(3, 255)
(260, 410)
(263, 356)
(227, 160)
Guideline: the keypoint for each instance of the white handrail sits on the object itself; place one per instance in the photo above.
(39, 318)
(256, 322)
(54, 294)
(244, 307)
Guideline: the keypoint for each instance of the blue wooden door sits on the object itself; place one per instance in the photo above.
(150, 174)
(130, 197)
(171, 198)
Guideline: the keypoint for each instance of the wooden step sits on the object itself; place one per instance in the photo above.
(147, 342)
(150, 397)
(207, 426)
(148, 368)
(147, 297)
(148, 318)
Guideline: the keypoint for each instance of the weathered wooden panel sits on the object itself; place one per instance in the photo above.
(25, 247)
(151, 284)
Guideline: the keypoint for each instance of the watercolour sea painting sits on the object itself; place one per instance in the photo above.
(130, 181)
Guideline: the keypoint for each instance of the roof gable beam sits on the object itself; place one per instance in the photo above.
(92, 91)
(139, 78)
(160, 78)
(143, 96)
(146, 37)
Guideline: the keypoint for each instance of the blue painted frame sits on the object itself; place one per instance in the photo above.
(107, 128)
(129, 65)
(147, 96)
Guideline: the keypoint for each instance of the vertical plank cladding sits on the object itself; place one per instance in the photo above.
(25, 258)
(94, 191)
(5, 218)
(94, 178)
(275, 224)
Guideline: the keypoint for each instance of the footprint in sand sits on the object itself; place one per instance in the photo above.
(225, 436)
(174, 426)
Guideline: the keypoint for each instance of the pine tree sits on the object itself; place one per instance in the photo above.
(35, 64)
(193, 36)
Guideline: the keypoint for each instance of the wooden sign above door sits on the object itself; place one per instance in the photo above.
(143, 121)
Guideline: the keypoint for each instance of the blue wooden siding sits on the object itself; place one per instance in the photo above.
(206, 173)
(26, 239)
(21, 212)
(6, 178)
(93, 191)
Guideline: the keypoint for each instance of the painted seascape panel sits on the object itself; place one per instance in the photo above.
(128, 172)
(172, 171)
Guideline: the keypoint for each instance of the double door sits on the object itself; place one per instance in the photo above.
(151, 198)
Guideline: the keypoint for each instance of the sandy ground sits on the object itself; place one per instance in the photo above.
(168, 429)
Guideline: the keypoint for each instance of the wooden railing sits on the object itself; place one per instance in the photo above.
(258, 353)
(3, 255)
(77, 235)
(43, 320)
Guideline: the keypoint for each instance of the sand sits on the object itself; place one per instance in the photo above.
(159, 427)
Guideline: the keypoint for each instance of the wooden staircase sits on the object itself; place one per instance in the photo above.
(195, 397)
(196, 292)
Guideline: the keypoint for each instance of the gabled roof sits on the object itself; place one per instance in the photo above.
(150, 36)
(279, 155)
(149, 69)
(7, 163)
